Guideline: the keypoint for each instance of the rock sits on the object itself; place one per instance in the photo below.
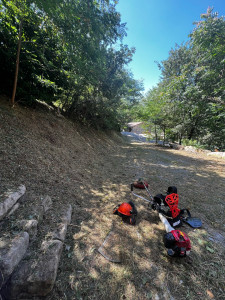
(176, 146)
(60, 232)
(37, 213)
(12, 252)
(29, 226)
(217, 154)
(40, 209)
(11, 200)
(66, 214)
(190, 149)
(14, 208)
(37, 277)
(1, 280)
(46, 203)
(167, 145)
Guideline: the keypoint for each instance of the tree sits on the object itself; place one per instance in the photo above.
(71, 54)
(192, 86)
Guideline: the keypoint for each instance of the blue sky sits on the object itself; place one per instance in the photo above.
(155, 26)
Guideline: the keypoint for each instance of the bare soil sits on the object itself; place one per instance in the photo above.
(92, 171)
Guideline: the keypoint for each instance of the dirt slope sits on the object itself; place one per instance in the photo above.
(92, 171)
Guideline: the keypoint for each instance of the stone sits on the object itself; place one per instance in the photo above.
(66, 214)
(1, 280)
(14, 208)
(176, 146)
(39, 210)
(38, 213)
(60, 232)
(46, 203)
(29, 226)
(217, 154)
(190, 149)
(37, 277)
(12, 252)
(11, 200)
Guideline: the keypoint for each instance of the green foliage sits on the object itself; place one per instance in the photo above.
(189, 102)
(193, 143)
(72, 53)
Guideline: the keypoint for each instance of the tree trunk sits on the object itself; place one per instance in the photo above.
(156, 137)
(191, 133)
(164, 135)
(180, 139)
(17, 65)
(193, 128)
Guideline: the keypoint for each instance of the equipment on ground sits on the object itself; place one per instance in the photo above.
(140, 184)
(177, 243)
(172, 201)
(191, 221)
(175, 215)
(146, 188)
(127, 211)
(106, 249)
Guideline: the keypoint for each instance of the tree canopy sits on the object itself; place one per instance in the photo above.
(71, 55)
(189, 101)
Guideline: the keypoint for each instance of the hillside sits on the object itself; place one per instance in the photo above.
(92, 171)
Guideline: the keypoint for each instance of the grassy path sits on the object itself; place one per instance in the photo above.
(146, 272)
(92, 171)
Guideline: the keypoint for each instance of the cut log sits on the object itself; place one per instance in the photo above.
(29, 226)
(46, 203)
(37, 277)
(11, 200)
(14, 208)
(60, 232)
(12, 252)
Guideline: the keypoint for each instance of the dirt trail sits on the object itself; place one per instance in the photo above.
(92, 171)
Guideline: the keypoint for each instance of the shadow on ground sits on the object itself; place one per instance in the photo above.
(92, 171)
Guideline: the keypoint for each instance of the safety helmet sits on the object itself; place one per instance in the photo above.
(127, 211)
(177, 243)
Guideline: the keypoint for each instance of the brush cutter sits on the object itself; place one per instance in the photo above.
(152, 201)
(175, 215)
(191, 221)
(176, 241)
(140, 184)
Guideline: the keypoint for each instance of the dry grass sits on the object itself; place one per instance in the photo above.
(92, 171)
